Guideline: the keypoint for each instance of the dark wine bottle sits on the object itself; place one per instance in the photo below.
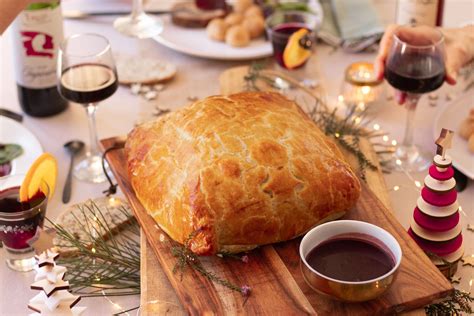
(37, 33)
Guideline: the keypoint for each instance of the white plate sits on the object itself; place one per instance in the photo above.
(13, 132)
(196, 43)
(451, 117)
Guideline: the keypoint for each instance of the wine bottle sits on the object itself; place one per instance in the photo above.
(420, 12)
(36, 34)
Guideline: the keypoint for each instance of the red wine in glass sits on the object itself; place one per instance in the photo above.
(415, 73)
(88, 83)
(210, 4)
(20, 220)
(280, 36)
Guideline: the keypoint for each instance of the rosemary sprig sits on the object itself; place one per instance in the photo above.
(104, 261)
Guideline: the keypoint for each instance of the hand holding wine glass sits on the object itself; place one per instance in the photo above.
(87, 75)
(459, 46)
(415, 64)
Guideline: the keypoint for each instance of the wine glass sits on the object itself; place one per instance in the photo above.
(415, 65)
(20, 222)
(292, 51)
(138, 23)
(87, 75)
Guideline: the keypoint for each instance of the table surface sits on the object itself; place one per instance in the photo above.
(198, 78)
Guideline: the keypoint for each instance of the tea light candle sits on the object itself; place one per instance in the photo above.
(360, 88)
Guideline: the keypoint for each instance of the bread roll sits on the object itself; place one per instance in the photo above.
(231, 173)
(241, 5)
(255, 25)
(237, 36)
(253, 10)
(234, 19)
(466, 129)
(470, 143)
(216, 29)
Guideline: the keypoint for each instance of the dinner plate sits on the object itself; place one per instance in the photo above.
(13, 132)
(195, 42)
(451, 117)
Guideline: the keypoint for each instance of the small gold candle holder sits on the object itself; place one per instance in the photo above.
(360, 88)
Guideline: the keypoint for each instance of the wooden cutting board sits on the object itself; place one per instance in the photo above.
(273, 271)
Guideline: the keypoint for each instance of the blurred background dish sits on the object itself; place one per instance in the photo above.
(195, 42)
(451, 116)
(12, 132)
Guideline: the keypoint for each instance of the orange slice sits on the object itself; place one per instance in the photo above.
(43, 172)
(296, 53)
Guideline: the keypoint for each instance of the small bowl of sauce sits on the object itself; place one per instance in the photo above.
(348, 260)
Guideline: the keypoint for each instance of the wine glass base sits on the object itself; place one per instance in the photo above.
(90, 169)
(142, 26)
(21, 265)
(411, 159)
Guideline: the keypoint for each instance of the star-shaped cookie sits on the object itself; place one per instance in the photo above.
(50, 273)
(41, 302)
(48, 287)
(42, 240)
(47, 258)
(455, 279)
(468, 260)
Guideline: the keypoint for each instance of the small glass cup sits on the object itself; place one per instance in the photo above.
(19, 222)
(282, 24)
(360, 90)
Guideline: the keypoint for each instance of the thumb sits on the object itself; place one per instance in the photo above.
(456, 58)
(452, 69)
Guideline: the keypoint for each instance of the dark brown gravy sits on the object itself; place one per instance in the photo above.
(350, 258)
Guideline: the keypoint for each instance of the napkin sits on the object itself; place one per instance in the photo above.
(351, 24)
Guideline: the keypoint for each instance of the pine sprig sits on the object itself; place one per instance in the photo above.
(104, 261)
(458, 303)
(186, 257)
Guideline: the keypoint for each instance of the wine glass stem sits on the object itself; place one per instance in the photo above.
(412, 101)
(137, 9)
(93, 147)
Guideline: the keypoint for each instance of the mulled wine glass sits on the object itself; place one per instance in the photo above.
(87, 75)
(281, 25)
(20, 221)
(415, 65)
(138, 23)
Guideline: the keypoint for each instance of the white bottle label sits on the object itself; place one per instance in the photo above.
(36, 36)
(417, 12)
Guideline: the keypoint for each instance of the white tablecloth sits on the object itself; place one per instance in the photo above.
(196, 77)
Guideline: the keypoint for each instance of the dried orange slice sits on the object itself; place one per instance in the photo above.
(297, 51)
(43, 172)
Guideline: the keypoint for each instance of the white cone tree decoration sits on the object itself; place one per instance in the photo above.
(54, 297)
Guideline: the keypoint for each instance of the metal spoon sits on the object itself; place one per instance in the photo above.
(73, 147)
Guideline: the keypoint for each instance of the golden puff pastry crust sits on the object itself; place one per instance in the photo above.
(232, 173)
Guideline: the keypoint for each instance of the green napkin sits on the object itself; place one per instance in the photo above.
(352, 24)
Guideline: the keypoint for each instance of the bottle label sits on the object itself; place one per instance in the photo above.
(417, 12)
(36, 36)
